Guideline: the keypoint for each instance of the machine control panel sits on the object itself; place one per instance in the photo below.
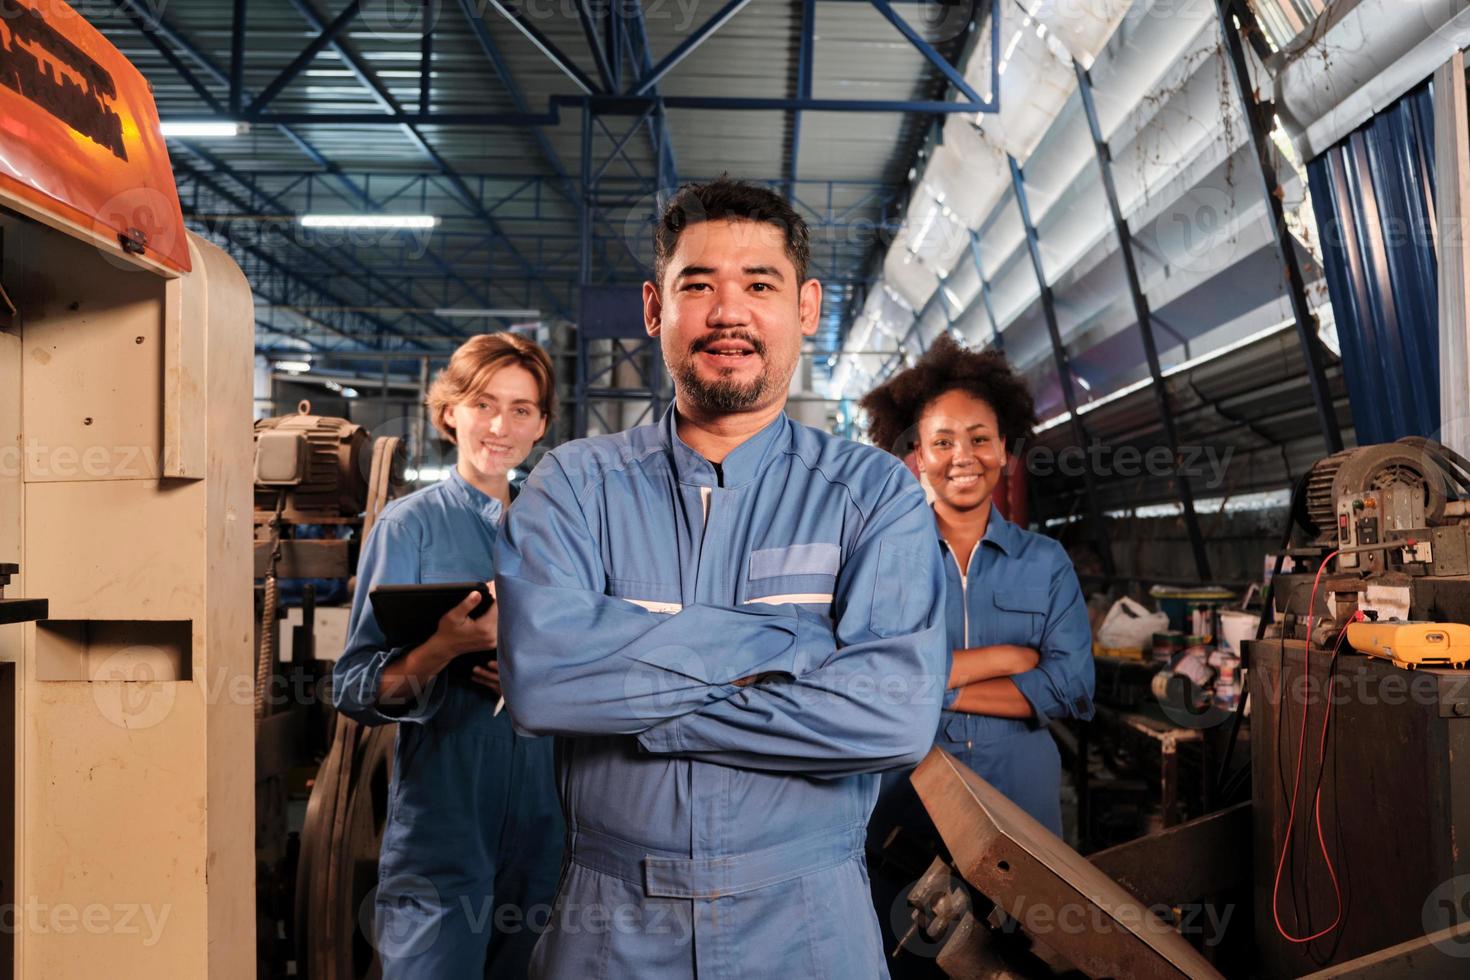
(1374, 517)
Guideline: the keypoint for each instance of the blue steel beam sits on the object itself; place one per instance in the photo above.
(426, 60)
(380, 93)
(594, 43)
(1145, 320)
(628, 105)
(658, 125)
(1063, 364)
(985, 291)
(223, 192)
(244, 254)
(685, 48)
(156, 39)
(614, 41)
(806, 42)
(247, 181)
(237, 57)
(501, 67)
(156, 26)
(502, 70)
(299, 64)
(927, 50)
(1258, 125)
(567, 66)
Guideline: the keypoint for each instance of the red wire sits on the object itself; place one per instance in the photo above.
(1297, 780)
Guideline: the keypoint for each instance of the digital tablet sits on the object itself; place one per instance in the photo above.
(409, 614)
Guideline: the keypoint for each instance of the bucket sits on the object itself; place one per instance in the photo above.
(1236, 627)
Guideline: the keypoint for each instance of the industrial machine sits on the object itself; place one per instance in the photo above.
(125, 346)
(320, 483)
(1379, 749)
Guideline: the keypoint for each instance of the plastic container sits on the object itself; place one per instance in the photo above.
(1167, 646)
(1235, 628)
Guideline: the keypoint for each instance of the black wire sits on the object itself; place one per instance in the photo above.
(1226, 783)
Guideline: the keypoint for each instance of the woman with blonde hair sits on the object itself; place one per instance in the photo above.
(474, 837)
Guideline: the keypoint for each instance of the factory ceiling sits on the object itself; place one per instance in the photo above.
(472, 113)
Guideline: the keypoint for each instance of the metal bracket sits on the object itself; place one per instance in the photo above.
(133, 241)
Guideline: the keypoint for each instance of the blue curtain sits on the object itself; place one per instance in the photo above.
(1373, 194)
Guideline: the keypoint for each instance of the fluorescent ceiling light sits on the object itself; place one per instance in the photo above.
(454, 311)
(202, 129)
(368, 221)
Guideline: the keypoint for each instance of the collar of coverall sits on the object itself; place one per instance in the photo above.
(744, 463)
(475, 497)
(998, 531)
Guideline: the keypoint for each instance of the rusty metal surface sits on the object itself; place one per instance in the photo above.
(1193, 860)
(345, 819)
(306, 559)
(1054, 894)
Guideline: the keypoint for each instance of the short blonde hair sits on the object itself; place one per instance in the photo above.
(471, 366)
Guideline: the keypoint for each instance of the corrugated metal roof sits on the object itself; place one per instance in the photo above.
(244, 190)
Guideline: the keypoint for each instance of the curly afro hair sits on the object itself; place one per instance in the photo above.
(893, 408)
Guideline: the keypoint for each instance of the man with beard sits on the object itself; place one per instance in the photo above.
(734, 622)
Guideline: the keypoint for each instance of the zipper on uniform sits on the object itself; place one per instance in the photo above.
(964, 586)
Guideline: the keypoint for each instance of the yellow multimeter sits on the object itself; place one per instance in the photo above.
(1411, 645)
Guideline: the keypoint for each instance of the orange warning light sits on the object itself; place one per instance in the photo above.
(80, 144)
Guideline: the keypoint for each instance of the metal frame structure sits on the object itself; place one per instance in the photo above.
(985, 298)
(1258, 115)
(1064, 367)
(399, 312)
(1145, 320)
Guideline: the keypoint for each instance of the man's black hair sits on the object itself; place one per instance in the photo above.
(723, 199)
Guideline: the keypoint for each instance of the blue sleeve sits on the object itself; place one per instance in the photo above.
(872, 703)
(574, 661)
(1061, 685)
(390, 556)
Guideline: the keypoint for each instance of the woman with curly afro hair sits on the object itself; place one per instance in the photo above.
(1017, 622)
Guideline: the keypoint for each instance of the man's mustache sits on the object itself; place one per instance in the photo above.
(709, 340)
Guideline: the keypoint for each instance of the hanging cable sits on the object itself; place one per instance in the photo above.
(1297, 778)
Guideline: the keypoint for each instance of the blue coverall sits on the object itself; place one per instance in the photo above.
(716, 830)
(1017, 588)
(474, 837)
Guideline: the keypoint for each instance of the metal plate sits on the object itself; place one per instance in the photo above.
(1019, 864)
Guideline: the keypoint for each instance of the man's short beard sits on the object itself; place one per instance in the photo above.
(723, 395)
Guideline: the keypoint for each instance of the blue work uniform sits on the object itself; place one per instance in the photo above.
(716, 829)
(1019, 588)
(1016, 588)
(474, 837)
